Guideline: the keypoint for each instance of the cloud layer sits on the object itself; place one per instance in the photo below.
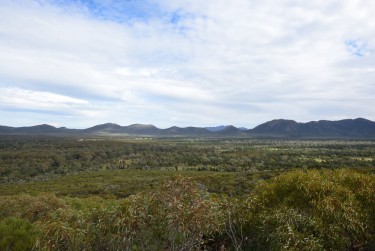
(79, 63)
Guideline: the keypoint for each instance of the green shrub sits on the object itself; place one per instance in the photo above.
(28, 207)
(63, 229)
(313, 210)
(299, 210)
(17, 234)
(177, 216)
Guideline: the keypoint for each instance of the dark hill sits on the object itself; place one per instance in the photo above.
(351, 128)
(110, 128)
(186, 131)
(277, 127)
(139, 129)
(231, 131)
(348, 128)
(103, 129)
(216, 128)
(36, 130)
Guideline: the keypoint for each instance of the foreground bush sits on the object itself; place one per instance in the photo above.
(314, 210)
(178, 216)
(300, 210)
(17, 234)
(28, 207)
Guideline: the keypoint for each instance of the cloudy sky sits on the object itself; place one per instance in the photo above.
(77, 63)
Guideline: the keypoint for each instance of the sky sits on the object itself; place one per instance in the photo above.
(78, 63)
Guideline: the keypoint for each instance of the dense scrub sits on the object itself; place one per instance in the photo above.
(123, 183)
(315, 210)
(31, 159)
(298, 210)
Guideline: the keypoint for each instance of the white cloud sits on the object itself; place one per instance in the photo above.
(15, 97)
(240, 62)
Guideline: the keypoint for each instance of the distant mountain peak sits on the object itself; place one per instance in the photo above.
(277, 126)
(107, 125)
(224, 127)
(142, 126)
(281, 121)
(346, 128)
(42, 126)
(284, 128)
(216, 128)
(103, 128)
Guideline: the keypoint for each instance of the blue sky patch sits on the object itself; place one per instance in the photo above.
(115, 10)
(356, 47)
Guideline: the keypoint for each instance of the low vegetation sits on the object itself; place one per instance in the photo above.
(25, 159)
(183, 205)
(298, 210)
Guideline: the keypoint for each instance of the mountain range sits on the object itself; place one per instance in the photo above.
(279, 128)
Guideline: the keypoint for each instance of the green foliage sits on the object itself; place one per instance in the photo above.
(180, 215)
(17, 234)
(28, 207)
(314, 210)
(234, 233)
(177, 216)
(186, 194)
(103, 231)
(299, 210)
(111, 184)
(29, 159)
(62, 230)
(89, 203)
